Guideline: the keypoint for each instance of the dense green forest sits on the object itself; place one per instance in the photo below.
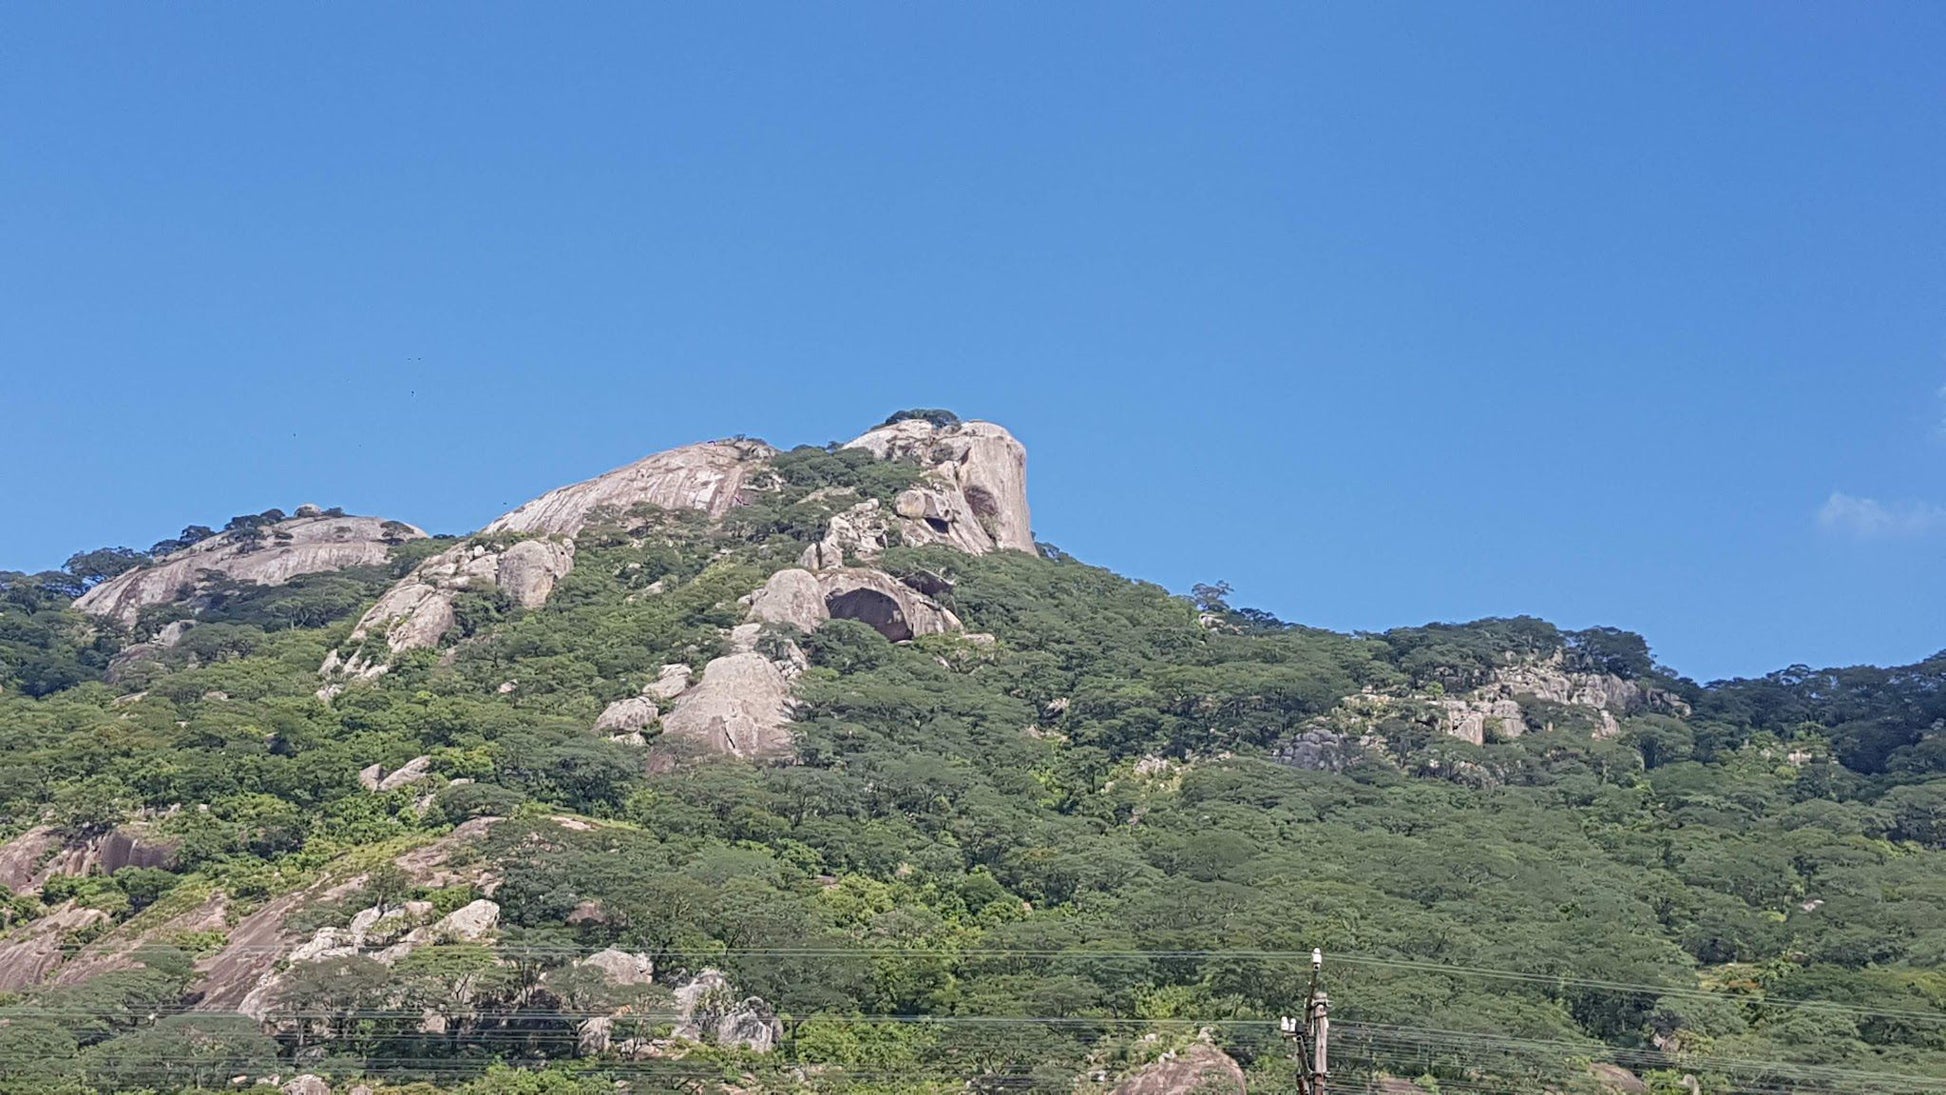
(1023, 864)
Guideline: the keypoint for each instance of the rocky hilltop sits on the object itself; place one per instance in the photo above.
(734, 769)
(970, 493)
(272, 554)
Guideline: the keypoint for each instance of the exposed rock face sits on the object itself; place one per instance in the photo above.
(1319, 750)
(301, 545)
(709, 477)
(1471, 718)
(30, 955)
(974, 496)
(859, 532)
(740, 707)
(30, 859)
(1201, 1069)
(244, 975)
(307, 1084)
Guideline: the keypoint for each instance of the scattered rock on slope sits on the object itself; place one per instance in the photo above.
(267, 555)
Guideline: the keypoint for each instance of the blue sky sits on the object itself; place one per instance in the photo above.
(1630, 314)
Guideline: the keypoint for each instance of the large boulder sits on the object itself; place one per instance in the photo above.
(528, 570)
(267, 555)
(740, 707)
(622, 967)
(792, 597)
(801, 599)
(627, 716)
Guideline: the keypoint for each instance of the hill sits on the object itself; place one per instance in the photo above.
(749, 769)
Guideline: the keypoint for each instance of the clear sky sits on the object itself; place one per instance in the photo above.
(1630, 313)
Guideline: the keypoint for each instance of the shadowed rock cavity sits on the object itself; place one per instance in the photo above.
(870, 607)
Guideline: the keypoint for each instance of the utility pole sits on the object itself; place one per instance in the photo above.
(1311, 1035)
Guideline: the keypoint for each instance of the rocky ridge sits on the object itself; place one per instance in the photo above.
(309, 543)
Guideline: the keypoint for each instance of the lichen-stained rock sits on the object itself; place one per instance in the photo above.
(1199, 1069)
(974, 496)
(741, 707)
(708, 1010)
(268, 555)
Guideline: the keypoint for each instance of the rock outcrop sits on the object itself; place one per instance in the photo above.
(974, 495)
(418, 611)
(710, 1011)
(30, 859)
(267, 555)
(245, 974)
(894, 609)
(1494, 710)
(627, 717)
(1199, 1069)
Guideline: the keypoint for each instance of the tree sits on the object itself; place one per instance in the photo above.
(938, 416)
(92, 568)
(387, 888)
(181, 1051)
(1210, 598)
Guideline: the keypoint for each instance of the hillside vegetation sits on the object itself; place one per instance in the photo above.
(1029, 863)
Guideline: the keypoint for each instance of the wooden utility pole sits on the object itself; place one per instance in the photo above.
(1312, 1034)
